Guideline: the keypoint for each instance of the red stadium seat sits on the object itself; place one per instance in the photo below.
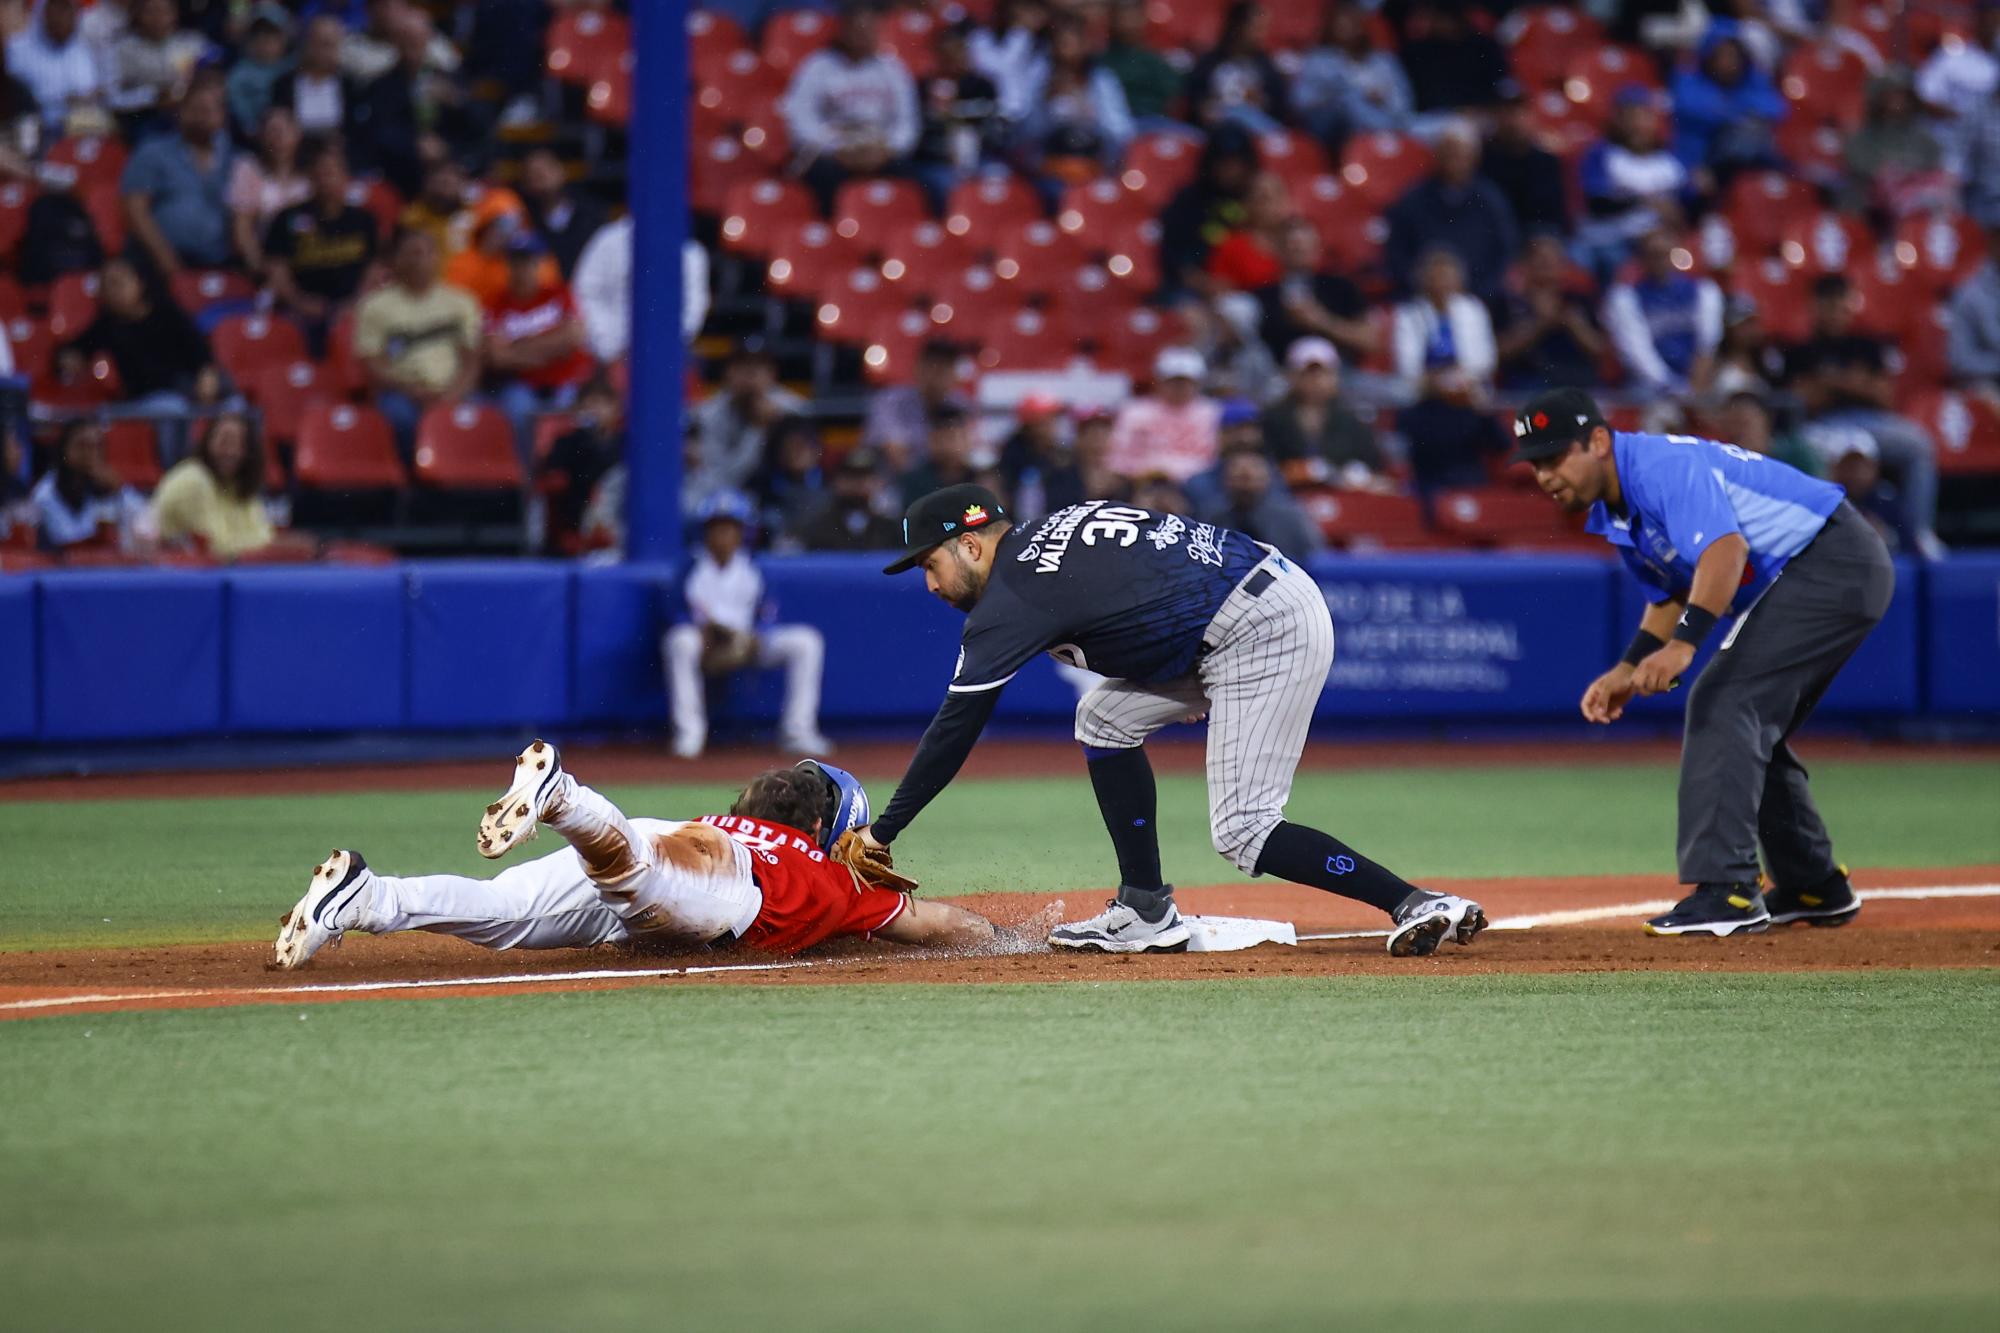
(1889, 296)
(1817, 152)
(72, 304)
(1294, 157)
(380, 201)
(13, 301)
(1489, 516)
(923, 256)
(719, 164)
(1363, 520)
(1782, 295)
(973, 301)
(890, 355)
(856, 304)
(1099, 208)
(466, 446)
(907, 33)
(107, 216)
(608, 100)
(977, 209)
(1826, 84)
(712, 37)
(791, 36)
(343, 447)
(754, 213)
(1184, 25)
(195, 291)
(1378, 169)
(1027, 341)
(584, 45)
(246, 346)
(550, 427)
(1943, 250)
(1543, 41)
(1088, 298)
(1132, 256)
(1871, 20)
(1158, 164)
(132, 449)
(1131, 344)
(1352, 232)
(1966, 428)
(1033, 257)
(869, 209)
(1593, 80)
(34, 348)
(283, 393)
(15, 200)
(98, 161)
(1761, 205)
(806, 257)
(1926, 359)
(1825, 242)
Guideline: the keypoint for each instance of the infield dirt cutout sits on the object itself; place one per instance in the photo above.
(1899, 932)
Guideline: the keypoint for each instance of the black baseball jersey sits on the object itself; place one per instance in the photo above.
(1122, 591)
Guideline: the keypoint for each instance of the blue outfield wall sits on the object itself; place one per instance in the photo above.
(458, 646)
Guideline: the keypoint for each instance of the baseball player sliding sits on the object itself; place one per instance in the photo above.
(1185, 618)
(1712, 530)
(781, 872)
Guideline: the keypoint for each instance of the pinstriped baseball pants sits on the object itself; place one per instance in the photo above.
(1268, 656)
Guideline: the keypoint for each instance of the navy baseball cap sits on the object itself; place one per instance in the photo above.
(1552, 422)
(936, 518)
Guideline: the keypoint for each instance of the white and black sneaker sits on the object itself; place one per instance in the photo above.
(511, 820)
(330, 908)
(1424, 920)
(1120, 929)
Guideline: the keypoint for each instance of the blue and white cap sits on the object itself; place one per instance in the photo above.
(729, 504)
(847, 802)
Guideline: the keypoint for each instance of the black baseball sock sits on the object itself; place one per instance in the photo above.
(1307, 856)
(1123, 781)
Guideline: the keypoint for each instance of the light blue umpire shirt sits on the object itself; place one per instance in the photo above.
(1681, 493)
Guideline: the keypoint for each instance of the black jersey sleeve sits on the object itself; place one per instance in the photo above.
(1002, 635)
(940, 754)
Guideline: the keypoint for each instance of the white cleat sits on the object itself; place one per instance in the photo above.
(511, 820)
(1120, 929)
(1426, 920)
(331, 907)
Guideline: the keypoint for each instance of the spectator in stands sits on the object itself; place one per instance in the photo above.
(1150, 84)
(1725, 108)
(1747, 421)
(850, 522)
(1451, 64)
(318, 93)
(373, 47)
(1346, 85)
(264, 184)
(1457, 209)
(1091, 448)
(155, 58)
(1851, 459)
(417, 337)
(1172, 431)
(1957, 83)
(175, 187)
(962, 127)
(790, 488)
(899, 417)
(1237, 83)
(52, 59)
(1161, 494)
(1979, 150)
(1972, 345)
(443, 209)
(1206, 209)
(563, 217)
(259, 66)
(1036, 461)
(948, 457)
(1445, 353)
(729, 427)
(1307, 301)
(579, 460)
(413, 114)
(1006, 50)
(535, 353)
(483, 267)
(1529, 177)
(317, 253)
(213, 500)
(1077, 123)
(729, 629)
(80, 501)
(1249, 258)
(851, 108)
(161, 357)
(1253, 503)
(1550, 339)
(1631, 183)
(1665, 324)
(603, 282)
(1847, 379)
(60, 238)
(1894, 162)
(1311, 427)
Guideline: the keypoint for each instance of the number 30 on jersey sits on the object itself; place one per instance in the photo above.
(1114, 522)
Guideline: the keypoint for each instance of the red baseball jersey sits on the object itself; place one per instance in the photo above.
(807, 898)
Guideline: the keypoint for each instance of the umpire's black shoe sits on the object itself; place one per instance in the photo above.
(1831, 902)
(1715, 909)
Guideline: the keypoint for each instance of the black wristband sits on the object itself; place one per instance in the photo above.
(1644, 644)
(1694, 625)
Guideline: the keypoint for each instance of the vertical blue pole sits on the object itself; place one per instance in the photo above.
(658, 176)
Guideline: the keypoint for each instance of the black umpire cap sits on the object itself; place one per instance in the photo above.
(1552, 422)
(936, 518)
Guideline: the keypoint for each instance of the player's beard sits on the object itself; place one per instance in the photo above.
(971, 584)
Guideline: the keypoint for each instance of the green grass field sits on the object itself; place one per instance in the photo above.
(1629, 1151)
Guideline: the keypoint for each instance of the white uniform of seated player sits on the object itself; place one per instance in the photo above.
(638, 881)
(725, 594)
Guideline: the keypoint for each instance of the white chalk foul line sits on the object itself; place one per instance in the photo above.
(1617, 911)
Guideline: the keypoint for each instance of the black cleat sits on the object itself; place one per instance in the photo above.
(1715, 909)
(1831, 902)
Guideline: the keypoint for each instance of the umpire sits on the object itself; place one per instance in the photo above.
(1712, 530)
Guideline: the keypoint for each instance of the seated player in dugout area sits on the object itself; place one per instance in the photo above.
(781, 872)
(1712, 530)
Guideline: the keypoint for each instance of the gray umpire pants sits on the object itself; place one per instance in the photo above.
(1741, 785)
(1266, 655)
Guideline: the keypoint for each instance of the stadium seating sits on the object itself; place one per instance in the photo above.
(1966, 428)
(985, 204)
(1493, 516)
(1826, 83)
(583, 46)
(284, 392)
(132, 449)
(97, 160)
(346, 447)
(1363, 520)
(871, 209)
(466, 446)
(72, 304)
(792, 35)
(1379, 169)
(856, 304)
(806, 256)
(246, 346)
(753, 212)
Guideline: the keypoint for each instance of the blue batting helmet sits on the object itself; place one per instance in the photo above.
(847, 801)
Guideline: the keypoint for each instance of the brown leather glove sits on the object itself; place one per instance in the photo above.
(871, 861)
